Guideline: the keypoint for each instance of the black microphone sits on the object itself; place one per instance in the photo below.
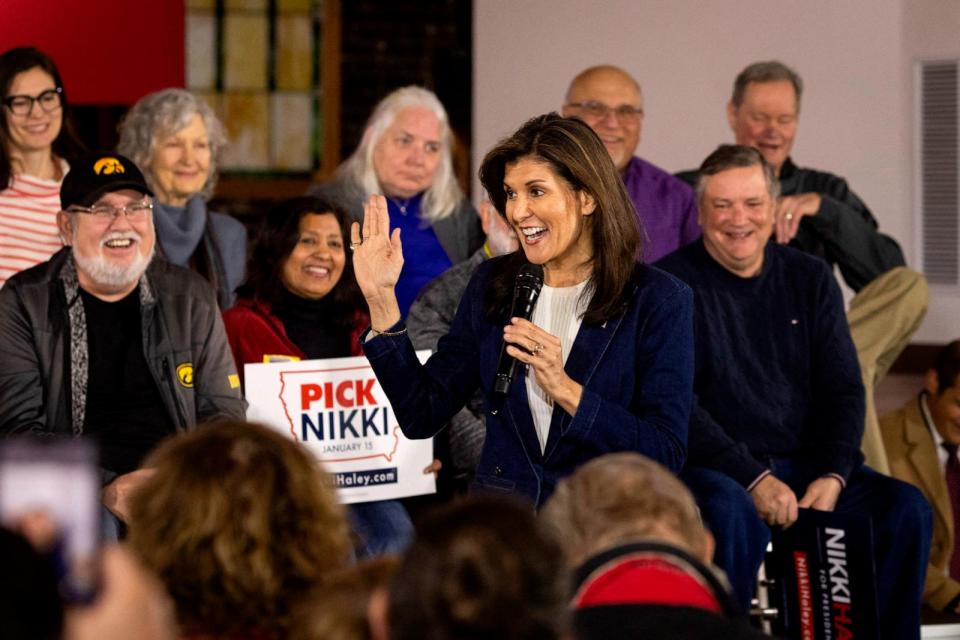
(525, 294)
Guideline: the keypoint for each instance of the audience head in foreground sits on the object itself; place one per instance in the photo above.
(622, 498)
(481, 568)
(351, 604)
(641, 554)
(239, 522)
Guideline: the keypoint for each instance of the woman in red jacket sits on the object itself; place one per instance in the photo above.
(300, 301)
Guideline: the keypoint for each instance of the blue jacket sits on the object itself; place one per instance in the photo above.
(636, 370)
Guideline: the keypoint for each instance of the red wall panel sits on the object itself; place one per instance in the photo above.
(108, 51)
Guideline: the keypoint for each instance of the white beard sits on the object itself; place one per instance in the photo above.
(111, 277)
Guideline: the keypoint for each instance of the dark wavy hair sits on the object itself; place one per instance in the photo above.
(578, 157)
(277, 236)
(947, 366)
(240, 522)
(15, 61)
(480, 568)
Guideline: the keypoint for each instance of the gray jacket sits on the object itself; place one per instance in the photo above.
(43, 355)
(459, 233)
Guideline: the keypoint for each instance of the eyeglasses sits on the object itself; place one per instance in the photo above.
(135, 211)
(624, 113)
(49, 100)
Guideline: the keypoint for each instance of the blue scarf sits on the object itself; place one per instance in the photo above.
(180, 229)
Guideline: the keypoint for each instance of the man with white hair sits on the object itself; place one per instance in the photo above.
(106, 341)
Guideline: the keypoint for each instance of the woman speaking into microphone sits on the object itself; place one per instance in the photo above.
(606, 358)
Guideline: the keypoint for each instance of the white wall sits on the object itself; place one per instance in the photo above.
(931, 30)
(857, 111)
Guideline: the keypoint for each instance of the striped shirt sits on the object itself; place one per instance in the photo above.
(28, 224)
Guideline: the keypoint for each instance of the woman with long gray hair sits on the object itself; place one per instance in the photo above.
(405, 154)
(176, 139)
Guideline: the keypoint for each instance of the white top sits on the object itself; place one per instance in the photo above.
(559, 312)
(28, 223)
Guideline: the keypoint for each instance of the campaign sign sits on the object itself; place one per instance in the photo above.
(336, 408)
(825, 577)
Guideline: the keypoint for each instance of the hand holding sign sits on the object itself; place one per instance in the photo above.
(338, 411)
(775, 501)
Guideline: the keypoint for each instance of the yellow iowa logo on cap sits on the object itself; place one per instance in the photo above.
(185, 374)
(107, 166)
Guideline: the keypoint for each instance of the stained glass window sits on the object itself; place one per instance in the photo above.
(259, 65)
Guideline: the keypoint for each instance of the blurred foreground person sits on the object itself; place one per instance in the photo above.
(239, 522)
(642, 556)
(481, 568)
(130, 603)
(351, 604)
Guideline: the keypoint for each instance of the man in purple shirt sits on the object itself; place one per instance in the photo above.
(609, 100)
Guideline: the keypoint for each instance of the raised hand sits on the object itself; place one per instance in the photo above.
(377, 261)
(533, 346)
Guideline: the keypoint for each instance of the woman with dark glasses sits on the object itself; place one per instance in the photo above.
(36, 143)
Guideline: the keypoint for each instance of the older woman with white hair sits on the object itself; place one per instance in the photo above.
(405, 154)
(176, 140)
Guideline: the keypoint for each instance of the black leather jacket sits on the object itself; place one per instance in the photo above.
(184, 344)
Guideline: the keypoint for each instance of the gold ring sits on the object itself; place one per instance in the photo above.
(789, 217)
(354, 246)
(537, 348)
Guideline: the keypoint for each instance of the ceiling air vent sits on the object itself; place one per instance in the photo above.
(939, 171)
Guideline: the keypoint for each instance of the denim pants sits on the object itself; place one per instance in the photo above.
(902, 527)
(382, 527)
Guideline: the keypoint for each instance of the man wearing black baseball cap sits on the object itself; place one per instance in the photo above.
(105, 340)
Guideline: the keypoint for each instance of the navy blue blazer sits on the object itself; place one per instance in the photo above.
(636, 371)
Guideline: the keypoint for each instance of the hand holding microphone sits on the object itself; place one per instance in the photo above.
(525, 294)
(527, 343)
